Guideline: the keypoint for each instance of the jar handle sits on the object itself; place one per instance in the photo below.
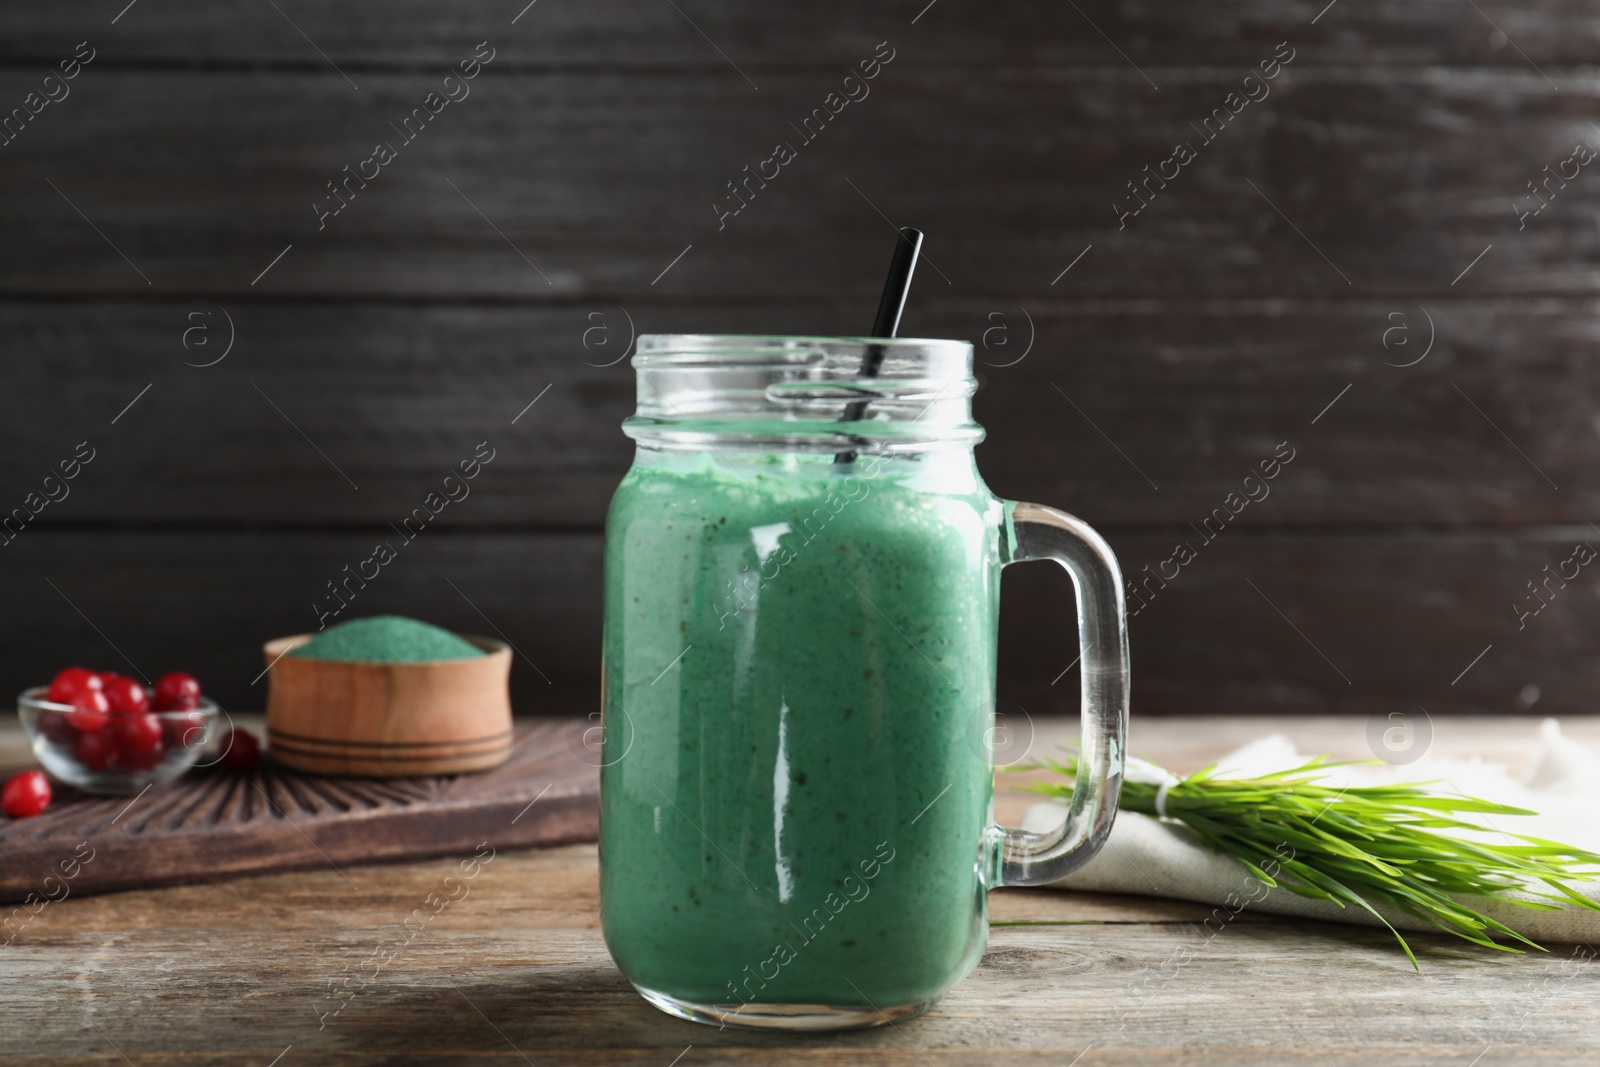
(1036, 532)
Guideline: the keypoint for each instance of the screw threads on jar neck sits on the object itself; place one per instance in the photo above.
(802, 393)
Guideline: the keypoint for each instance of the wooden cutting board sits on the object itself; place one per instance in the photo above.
(216, 823)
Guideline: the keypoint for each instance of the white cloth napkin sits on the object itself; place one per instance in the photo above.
(1149, 856)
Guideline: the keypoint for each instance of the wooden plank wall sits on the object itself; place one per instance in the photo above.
(1351, 264)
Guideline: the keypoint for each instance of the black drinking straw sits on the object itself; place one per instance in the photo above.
(896, 287)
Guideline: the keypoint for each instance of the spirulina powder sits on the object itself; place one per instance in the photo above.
(386, 639)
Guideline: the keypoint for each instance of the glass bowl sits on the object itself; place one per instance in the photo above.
(104, 752)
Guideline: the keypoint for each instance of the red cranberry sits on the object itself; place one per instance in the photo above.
(177, 691)
(97, 750)
(25, 794)
(183, 729)
(126, 695)
(240, 751)
(137, 732)
(57, 726)
(65, 686)
(89, 722)
(92, 700)
(93, 710)
(142, 759)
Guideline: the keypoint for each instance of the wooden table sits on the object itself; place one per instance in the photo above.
(516, 972)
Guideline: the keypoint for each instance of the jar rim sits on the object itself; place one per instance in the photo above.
(837, 394)
(672, 348)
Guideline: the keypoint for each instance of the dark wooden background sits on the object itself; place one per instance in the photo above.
(1224, 319)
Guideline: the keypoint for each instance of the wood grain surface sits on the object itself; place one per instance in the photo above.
(612, 33)
(1195, 395)
(1361, 622)
(219, 823)
(1349, 266)
(1417, 170)
(515, 971)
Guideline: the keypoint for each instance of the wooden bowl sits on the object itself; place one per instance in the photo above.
(389, 719)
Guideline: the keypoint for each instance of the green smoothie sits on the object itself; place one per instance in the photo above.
(799, 671)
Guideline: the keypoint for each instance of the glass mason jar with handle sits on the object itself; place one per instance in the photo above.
(801, 614)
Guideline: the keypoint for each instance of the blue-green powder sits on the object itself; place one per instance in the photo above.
(386, 639)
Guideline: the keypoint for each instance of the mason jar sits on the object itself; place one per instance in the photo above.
(802, 594)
